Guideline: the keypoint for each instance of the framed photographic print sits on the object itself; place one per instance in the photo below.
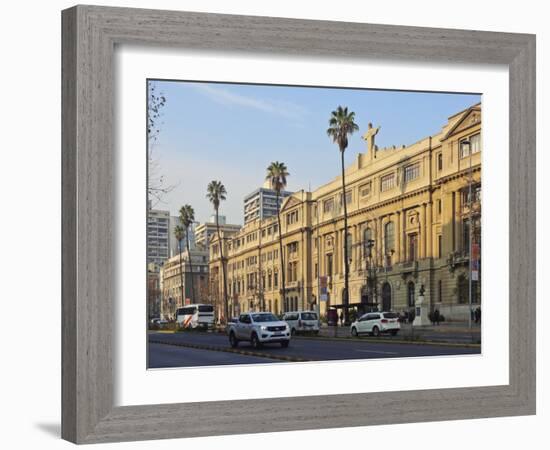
(265, 215)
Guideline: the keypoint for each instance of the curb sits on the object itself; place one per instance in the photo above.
(232, 350)
(350, 338)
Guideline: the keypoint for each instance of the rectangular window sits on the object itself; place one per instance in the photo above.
(387, 182)
(413, 247)
(348, 198)
(365, 189)
(328, 205)
(440, 162)
(474, 147)
(439, 246)
(412, 172)
(329, 264)
(475, 143)
(439, 207)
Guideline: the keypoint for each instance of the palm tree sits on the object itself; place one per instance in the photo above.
(341, 124)
(276, 175)
(215, 193)
(187, 217)
(178, 233)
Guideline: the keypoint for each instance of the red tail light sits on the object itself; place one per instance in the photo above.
(384, 321)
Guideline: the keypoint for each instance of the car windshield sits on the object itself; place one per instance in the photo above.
(391, 315)
(264, 318)
(309, 316)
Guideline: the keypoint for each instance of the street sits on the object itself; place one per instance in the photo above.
(195, 349)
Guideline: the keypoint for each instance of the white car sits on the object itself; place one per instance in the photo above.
(376, 323)
(302, 322)
(259, 328)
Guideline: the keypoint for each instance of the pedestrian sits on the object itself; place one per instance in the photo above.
(342, 318)
(436, 316)
(478, 314)
(472, 314)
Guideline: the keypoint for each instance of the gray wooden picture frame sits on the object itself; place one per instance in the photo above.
(90, 34)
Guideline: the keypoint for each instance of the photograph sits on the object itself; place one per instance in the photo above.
(298, 224)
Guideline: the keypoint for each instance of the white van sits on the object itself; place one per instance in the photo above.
(302, 322)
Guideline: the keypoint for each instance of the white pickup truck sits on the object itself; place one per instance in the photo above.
(258, 329)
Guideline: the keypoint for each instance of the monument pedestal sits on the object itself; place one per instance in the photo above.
(421, 313)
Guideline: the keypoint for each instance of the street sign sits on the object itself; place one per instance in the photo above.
(323, 282)
(324, 297)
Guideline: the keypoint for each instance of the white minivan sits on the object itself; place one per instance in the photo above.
(376, 323)
(302, 322)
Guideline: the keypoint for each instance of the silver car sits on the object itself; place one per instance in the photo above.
(259, 328)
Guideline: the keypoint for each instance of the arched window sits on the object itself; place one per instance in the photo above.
(389, 238)
(410, 293)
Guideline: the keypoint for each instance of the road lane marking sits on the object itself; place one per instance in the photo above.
(377, 351)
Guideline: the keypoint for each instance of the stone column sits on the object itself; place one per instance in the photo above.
(423, 229)
(380, 242)
(429, 231)
(357, 247)
(398, 237)
(457, 227)
(403, 235)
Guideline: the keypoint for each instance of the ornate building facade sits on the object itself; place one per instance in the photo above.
(414, 221)
(194, 282)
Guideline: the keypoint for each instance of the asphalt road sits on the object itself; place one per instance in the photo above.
(178, 355)
(163, 356)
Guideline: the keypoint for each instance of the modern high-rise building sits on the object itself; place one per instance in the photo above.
(262, 203)
(158, 241)
(205, 231)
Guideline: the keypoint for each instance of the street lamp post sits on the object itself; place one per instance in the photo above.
(466, 147)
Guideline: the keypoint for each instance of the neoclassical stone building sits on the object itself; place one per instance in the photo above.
(410, 211)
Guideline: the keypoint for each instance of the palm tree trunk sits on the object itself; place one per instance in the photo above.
(181, 276)
(346, 260)
(220, 243)
(194, 299)
(283, 286)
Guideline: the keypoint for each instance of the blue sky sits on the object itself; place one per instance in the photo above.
(232, 132)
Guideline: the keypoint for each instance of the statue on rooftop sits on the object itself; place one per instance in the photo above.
(369, 138)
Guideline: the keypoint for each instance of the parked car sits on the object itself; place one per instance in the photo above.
(376, 324)
(158, 323)
(259, 328)
(302, 322)
(231, 321)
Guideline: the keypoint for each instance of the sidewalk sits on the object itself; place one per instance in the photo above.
(458, 332)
